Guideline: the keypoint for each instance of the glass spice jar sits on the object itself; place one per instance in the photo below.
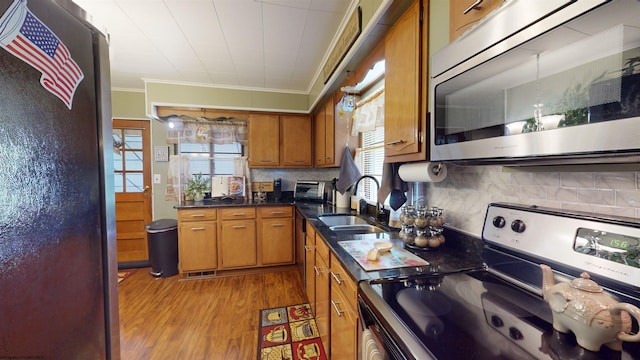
(422, 218)
(433, 239)
(408, 215)
(437, 214)
(421, 238)
(406, 234)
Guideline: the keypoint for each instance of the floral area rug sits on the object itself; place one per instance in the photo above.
(124, 274)
(289, 332)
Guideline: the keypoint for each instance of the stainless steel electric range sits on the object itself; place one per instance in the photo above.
(499, 312)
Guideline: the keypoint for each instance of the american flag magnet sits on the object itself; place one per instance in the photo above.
(26, 37)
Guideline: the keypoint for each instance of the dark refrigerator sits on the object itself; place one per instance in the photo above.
(58, 283)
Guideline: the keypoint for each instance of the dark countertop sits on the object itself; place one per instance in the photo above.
(231, 202)
(459, 252)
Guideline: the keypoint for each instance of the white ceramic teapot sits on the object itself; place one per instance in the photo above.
(581, 306)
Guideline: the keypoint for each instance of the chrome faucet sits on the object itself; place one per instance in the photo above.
(379, 205)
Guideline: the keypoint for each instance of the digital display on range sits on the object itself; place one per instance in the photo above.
(619, 248)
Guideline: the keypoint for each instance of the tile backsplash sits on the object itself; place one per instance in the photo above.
(467, 190)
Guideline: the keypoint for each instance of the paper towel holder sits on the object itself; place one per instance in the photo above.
(437, 169)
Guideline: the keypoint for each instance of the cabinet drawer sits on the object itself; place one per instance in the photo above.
(238, 213)
(322, 249)
(275, 211)
(340, 280)
(197, 214)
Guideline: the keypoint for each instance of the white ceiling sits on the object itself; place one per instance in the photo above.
(274, 45)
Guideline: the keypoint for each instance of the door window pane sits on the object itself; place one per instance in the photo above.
(117, 160)
(134, 183)
(118, 182)
(133, 160)
(133, 139)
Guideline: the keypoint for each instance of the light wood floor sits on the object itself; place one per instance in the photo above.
(215, 318)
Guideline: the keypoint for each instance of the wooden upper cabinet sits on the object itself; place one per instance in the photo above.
(463, 14)
(277, 141)
(295, 132)
(405, 88)
(264, 140)
(331, 133)
(319, 135)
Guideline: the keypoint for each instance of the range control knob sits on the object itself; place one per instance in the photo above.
(518, 226)
(499, 222)
(515, 334)
(496, 321)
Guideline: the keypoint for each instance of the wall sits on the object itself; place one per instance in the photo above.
(467, 190)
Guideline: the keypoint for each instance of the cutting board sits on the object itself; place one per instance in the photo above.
(219, 186)
(397, 257)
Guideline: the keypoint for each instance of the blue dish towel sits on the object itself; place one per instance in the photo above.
(349, 172)
(393, 186)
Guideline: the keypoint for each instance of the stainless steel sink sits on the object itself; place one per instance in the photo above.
(356, 229)
(341, 219)
(348, 224)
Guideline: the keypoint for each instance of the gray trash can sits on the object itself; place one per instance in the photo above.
(162, 240)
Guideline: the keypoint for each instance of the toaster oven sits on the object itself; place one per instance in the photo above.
(309, 190)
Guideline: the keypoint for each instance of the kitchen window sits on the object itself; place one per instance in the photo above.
(369, 122)
(211, 159)
(372, 158)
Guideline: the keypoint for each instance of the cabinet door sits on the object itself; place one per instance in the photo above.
(276, 241)
(344, 327)
(318, 137)
(197, 246)
(322, 300)
(459, 21)
(295, 135)
(238, 243)
(402, 85)
(310, 263)
(264, 140)
(329, 133)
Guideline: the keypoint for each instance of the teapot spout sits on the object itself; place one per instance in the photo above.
(547, 278)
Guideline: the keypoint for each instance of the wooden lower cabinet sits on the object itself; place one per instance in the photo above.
(322, 313)
(197, 240)
(344, 325)
(235, 238)
(333, 298)
(238, 247)
(198, 251)
(310, 264)
(275, 235)
(344, 315)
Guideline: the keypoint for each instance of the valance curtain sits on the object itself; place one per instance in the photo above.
(369, 113)
(204, 130)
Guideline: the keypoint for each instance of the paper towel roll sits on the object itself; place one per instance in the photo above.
(423, 172)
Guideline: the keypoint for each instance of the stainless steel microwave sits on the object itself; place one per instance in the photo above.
(554, 81)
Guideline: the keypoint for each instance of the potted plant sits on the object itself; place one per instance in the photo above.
(197, 186)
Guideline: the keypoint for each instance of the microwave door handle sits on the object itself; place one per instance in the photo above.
(473, 6)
